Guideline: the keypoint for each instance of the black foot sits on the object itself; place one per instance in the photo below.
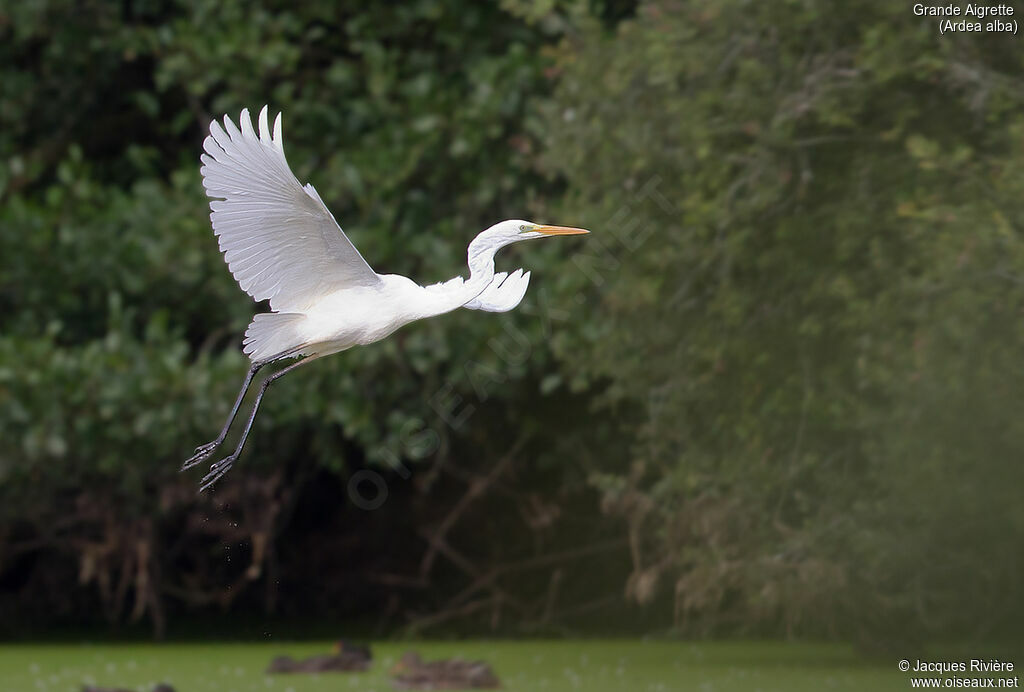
(203, 452)
(217, 471)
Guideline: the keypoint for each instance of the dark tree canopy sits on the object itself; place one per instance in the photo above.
(776, 391)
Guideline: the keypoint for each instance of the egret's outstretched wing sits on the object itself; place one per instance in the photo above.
(503, 293)
(278, 238)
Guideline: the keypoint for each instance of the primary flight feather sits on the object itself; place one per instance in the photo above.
(282, 244)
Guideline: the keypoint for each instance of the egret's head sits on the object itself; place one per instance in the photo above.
(514, 230)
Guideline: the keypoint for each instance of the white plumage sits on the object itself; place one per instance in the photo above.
(279, 240)
(282, 244)
(503, 293)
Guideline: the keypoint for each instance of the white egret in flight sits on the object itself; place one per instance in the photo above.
(283, 245)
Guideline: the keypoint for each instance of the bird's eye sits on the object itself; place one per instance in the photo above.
(524, 229)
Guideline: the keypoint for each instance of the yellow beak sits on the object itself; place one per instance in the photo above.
(560, 230)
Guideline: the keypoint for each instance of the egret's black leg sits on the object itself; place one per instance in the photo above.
(218, 469)
(204, 452)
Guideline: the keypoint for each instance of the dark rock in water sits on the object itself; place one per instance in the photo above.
(343, 646)
(281, 664)
(348, 657)
(413, 673)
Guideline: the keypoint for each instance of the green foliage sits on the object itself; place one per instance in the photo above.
(119, 324)
(817, 323)
(404, 117)
(799, 311)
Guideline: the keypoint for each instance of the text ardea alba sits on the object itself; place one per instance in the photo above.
(283, 245)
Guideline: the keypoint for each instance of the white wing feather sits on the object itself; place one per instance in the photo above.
(279, 239)
(503, 293)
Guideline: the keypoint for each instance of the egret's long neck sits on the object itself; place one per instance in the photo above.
(452, 295)
(481, 265)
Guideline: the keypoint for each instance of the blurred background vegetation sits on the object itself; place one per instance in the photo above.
(777, 392)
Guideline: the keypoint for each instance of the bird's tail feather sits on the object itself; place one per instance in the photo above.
(273, 335)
